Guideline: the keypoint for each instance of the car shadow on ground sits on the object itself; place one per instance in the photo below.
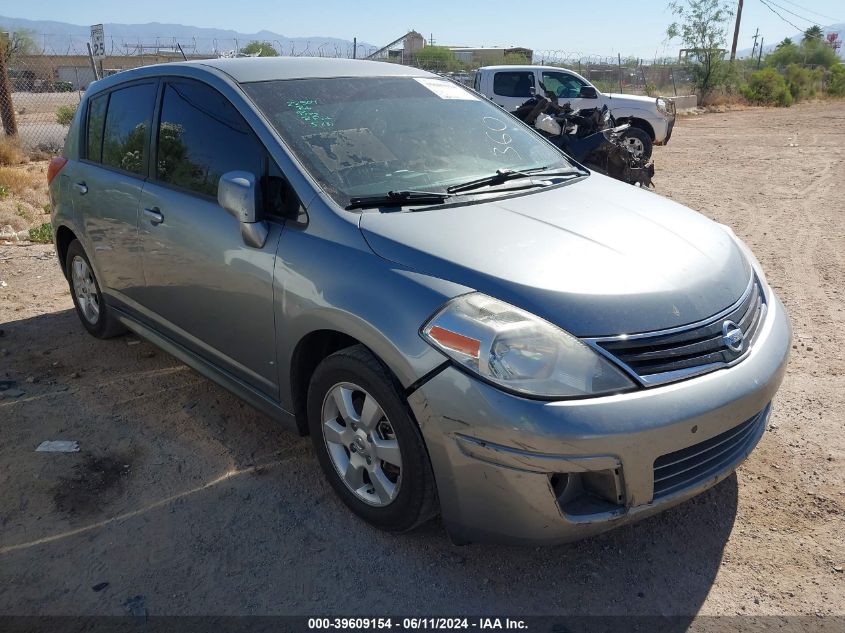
(184, 495)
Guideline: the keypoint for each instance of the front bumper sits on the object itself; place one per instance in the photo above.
(669, 129)
(510, 469)
(662, 129)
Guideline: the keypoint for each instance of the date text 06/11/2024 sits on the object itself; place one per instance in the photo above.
(414, 624)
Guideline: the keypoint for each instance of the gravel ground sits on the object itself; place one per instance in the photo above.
(191, 500)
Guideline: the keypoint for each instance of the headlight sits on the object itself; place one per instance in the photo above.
(663, 106)
(519, 351)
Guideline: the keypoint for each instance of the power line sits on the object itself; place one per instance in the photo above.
(792, 24)
(811, 11)
(801, 17)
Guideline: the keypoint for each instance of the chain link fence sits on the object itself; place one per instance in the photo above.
(46, 88)
(625, 74)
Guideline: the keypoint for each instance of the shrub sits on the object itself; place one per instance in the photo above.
(800, 82)
(43, 234)
(768, 87)
(10, 152)
(65, 114)
(836, 81)
(17, 179)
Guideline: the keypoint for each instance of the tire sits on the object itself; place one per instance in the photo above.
(640, 139)
(352, 434)
(88, 300)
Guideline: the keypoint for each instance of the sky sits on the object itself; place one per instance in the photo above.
(577, 29)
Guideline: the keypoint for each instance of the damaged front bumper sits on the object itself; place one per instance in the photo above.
(510, 469)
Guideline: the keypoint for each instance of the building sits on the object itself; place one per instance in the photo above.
(42, 73)
(401, 50)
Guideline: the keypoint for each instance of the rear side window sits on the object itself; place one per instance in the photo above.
(202, 136)
(129, 116)
(513, 84)
(96, 119)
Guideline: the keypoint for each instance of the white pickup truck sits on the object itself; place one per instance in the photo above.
(510, 86)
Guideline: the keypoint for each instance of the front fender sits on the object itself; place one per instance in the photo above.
(322, 284)
(655, 120)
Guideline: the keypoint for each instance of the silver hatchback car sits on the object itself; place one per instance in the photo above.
(464, 320)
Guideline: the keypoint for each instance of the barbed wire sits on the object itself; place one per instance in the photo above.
(47, 86)
(117, 46)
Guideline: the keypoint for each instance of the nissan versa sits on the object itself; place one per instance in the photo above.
(464, 320)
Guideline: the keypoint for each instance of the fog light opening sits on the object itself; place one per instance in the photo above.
(589, 493)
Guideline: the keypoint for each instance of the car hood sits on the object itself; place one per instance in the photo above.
(596, 257)
(634, 100)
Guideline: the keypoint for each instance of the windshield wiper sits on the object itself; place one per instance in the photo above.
(501, 176)
(397, 199)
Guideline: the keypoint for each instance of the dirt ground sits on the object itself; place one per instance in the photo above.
(185, 501)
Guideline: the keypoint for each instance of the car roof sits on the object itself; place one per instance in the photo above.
(524, 67)
(247, 69)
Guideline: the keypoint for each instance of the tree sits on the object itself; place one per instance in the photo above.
(259, 49)
(515, 59)
(810, 52)
(19, 43)
(701, 25)
(437, 58)
(786, 42)
(813, 33)
(12, 45)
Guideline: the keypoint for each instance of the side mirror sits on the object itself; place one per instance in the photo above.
(588, 92)
(238, 194)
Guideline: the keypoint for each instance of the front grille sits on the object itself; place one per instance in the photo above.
(688, 466)
(661, 357)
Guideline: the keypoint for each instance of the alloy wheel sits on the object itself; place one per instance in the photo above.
(85, 290)
(362, 444)
(634, 145)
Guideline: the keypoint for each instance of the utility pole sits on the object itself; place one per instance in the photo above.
(354, 48)
(736, 30)
(760, 54)
(754, 50)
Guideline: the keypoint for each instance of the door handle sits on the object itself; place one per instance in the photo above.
(154, 215)
(81, 187)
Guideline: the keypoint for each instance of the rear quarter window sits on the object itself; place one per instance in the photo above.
(94, 134)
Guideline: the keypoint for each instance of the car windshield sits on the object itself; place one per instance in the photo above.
(367, 136)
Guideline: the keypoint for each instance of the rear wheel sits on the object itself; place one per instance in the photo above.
(367, 443)
(95, 315)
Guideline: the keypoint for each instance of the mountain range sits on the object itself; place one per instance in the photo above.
(61, 38)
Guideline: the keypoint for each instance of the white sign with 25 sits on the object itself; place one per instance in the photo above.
(98, 41)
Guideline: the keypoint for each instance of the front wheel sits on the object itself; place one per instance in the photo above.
(638, 142)
(367, 443)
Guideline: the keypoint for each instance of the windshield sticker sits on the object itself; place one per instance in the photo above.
(344, 149)
(445, 89)
(305, 110)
